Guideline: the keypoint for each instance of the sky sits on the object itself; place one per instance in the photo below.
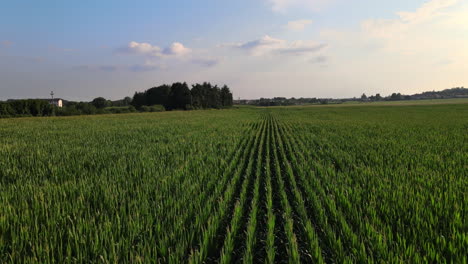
(259, 48)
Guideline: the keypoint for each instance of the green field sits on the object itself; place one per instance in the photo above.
(415, 102)
(356, 184)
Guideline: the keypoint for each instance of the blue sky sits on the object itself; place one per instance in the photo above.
(260, 48)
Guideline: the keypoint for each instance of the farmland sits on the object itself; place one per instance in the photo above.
(249, 185)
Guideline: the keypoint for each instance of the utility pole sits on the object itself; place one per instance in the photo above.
(52, 94)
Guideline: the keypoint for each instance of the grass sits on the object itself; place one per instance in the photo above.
(283, 184)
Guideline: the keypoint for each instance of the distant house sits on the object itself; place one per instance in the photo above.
(56, 101)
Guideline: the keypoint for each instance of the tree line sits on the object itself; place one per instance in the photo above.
(29, 107)
(180, 96)
(458, 92)
(156, 99)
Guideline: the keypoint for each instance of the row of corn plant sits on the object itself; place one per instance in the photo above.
(356, 250)
(251, 239)
(239, 209)
(368, 168)
(197, 210)
(376, 246)
(208, 241)
(312, 247)
(292, 247)
(270, 215)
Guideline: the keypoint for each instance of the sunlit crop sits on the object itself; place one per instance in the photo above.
(251, 185)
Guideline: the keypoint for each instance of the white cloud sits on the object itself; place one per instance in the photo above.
(176, 49)
(388, 28)
(142, 48)
(269, 45)
(302, 48)
(421, 49)
(298, 25)
(262, 46)
(428, 11)
(156, 56)
(285, 5)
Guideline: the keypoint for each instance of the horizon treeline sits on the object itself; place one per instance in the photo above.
(180, 96)
(177, 96)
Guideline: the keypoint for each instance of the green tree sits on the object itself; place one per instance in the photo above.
(6, 110)
(396, 96)
(226, 96)
(100, 103)
(199, 96)
(127, 101)
(158, 95)
(139, 100)
(180, 97)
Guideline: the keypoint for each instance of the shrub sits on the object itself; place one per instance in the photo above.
(157, 108)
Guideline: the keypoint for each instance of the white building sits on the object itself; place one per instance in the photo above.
(56, 101)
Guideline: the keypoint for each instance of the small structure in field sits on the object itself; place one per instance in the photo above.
(56, 101)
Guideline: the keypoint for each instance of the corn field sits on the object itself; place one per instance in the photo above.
(357, 184)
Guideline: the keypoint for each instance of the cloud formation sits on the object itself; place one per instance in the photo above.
(302, 48)
(270, 45)
(262, 46)
(176, 50)
(298, 25)
(387, 28)
(429, 10)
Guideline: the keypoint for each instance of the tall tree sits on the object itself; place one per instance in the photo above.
(199, 96)
(213, 96)
(226, 96)
(100, 103)
(139, 100)
(158, 95)
(126, 101)
(180, 97)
